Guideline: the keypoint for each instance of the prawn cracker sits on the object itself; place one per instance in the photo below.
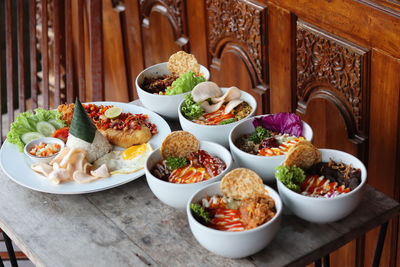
(182, 62)
(241, 184)
(179, 143)
(303, 155)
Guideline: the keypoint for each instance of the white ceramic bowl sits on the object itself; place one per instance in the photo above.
(234, 244)
(263, 166)
(165, 105)
(177, 195)
(326, 210)
(47, 140)
(215, 133)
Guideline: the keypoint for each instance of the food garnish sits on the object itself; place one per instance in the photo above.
(24, 128)
(203, 216)
(191, 109)
(179, 144)
(113, 112)
(291, 176)
(181, 62)
(259, 134)
(303, 154)
(61, 133)
(245, 204)
(184, 83)
(281, 122)
(174, 163)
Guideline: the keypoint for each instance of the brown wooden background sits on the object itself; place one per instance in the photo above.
(336, 63)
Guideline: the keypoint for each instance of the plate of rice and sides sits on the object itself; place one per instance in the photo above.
(107, 144)
(261, 143)
(236, 217)
(210, 112)
(320, 185)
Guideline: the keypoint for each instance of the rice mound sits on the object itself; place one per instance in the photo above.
(99, 147)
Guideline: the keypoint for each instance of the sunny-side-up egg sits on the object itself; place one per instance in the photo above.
(129, 160)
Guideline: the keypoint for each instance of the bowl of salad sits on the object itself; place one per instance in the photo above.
(230, 225)
(161, 88)
(324, 189)
(192, 164)
(261, 143)
(43, 149)
(210, 112)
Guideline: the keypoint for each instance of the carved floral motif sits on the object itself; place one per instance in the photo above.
(324, 60)
(174, 9)
(239, 21)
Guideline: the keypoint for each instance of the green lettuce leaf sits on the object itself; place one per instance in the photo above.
(184, 83)
(190, 109)
(26, 122)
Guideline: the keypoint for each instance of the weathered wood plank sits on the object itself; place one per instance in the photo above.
(21, 56)
(55, 230)
(70, 92)
(45, 56)
(9, 62)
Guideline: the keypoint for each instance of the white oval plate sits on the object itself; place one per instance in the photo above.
(17, 165)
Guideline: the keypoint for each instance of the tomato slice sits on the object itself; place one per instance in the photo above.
(62, 134)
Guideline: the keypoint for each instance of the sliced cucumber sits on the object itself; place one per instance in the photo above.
(45, 128)
(26, 138)
(56, 124)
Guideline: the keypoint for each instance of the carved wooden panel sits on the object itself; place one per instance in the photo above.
(163, 29)
(336, 70)
(236, 44)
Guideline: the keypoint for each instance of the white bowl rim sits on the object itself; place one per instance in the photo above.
(258, 228)
(138, 87)
(252, 155)
(352, 192)
(251, 115)
(198, 183)
(47, 139)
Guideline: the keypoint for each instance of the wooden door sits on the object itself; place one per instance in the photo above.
(237, 47)
(327, 64)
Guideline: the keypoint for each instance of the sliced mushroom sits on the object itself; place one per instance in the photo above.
(232, 93)
(232, 104)
(210, 108)
(205, 90)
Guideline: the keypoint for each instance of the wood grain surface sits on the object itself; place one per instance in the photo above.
(128, 226)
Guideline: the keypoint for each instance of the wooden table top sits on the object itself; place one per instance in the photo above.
(129, 226)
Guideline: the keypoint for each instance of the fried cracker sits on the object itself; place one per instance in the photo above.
(303, 155)
(179, 143)
(241, 184)
(182, 62)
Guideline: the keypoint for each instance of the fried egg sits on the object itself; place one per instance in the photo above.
(126, 161)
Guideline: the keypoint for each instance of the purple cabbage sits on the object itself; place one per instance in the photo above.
(281, 122)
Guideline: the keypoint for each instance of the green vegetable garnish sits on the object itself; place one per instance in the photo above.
(190, 109)
(26, 122)
(174, 163)
(259, 134)
(203, 216)
(227, 121)
(184, 83)
(291, 177)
